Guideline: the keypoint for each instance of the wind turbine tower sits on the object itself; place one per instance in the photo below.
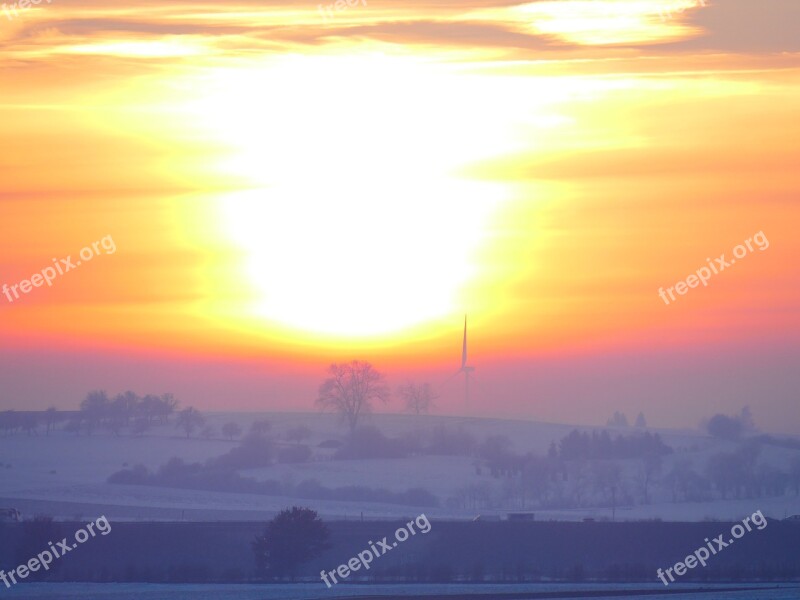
(464, 367)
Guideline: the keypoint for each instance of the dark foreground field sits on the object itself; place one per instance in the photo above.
(450, 552)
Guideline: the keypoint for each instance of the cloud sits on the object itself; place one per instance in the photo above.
(561, 28)
(746, 27)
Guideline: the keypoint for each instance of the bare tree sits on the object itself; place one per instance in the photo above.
(350, 390)
(618, 419)
(298, 434)
(794, 475)
(94, 408)
(418, 398)
(231, 430)
(50, 419)
(608, 480)
(29, 423)
(124, 406)
(189, 419)
(261, 427)
(649, 467)
(150, 407)
(166, 407)
(9, 422)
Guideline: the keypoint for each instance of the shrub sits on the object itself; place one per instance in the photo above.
(369, 442)
(294, 454)
(254, 451)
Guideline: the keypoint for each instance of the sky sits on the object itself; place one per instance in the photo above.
(274, 186)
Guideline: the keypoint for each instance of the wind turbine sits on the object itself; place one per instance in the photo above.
(464, 367)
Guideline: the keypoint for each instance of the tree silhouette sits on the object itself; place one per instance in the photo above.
(124, 406)
(727, 472)
(418, 397)
(292, 538)
(725, 427)
(650, 467)
(166, 407)
(618, 419)
(231, 430)
(351, 389)
(50, 419)
(189, 419)
(298, 434)
(794, 475)
(260, 427)
(95, 407)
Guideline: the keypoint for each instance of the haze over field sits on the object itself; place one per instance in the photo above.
(236, 466)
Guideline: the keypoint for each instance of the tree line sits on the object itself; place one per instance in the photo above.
(126, 411)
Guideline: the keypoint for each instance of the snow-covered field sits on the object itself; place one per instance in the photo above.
(65, 475)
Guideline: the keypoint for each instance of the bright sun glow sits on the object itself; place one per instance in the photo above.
(359, 205)
(358, 219)
(364, 263)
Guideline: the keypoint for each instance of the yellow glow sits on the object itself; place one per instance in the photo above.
(358, 220)
(366, 262)
(380, 118)
(362, 214)
(136, 49)
(595, 22)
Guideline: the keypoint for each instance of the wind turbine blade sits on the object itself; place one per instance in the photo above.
(464, 347)
(454, 375)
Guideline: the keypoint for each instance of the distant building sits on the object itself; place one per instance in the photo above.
(10, 515)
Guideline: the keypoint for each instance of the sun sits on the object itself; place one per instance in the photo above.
(359, 263)
(357, 219)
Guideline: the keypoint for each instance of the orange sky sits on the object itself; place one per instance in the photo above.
(284, 191)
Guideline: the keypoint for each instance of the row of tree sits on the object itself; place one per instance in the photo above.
(136, 413)
(582, 445)
(618, 419)
(13, 422)
(731, 428)
(551, 482)
(351, 389)
(99, 409)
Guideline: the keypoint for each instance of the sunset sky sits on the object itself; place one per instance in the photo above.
(285, 190)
